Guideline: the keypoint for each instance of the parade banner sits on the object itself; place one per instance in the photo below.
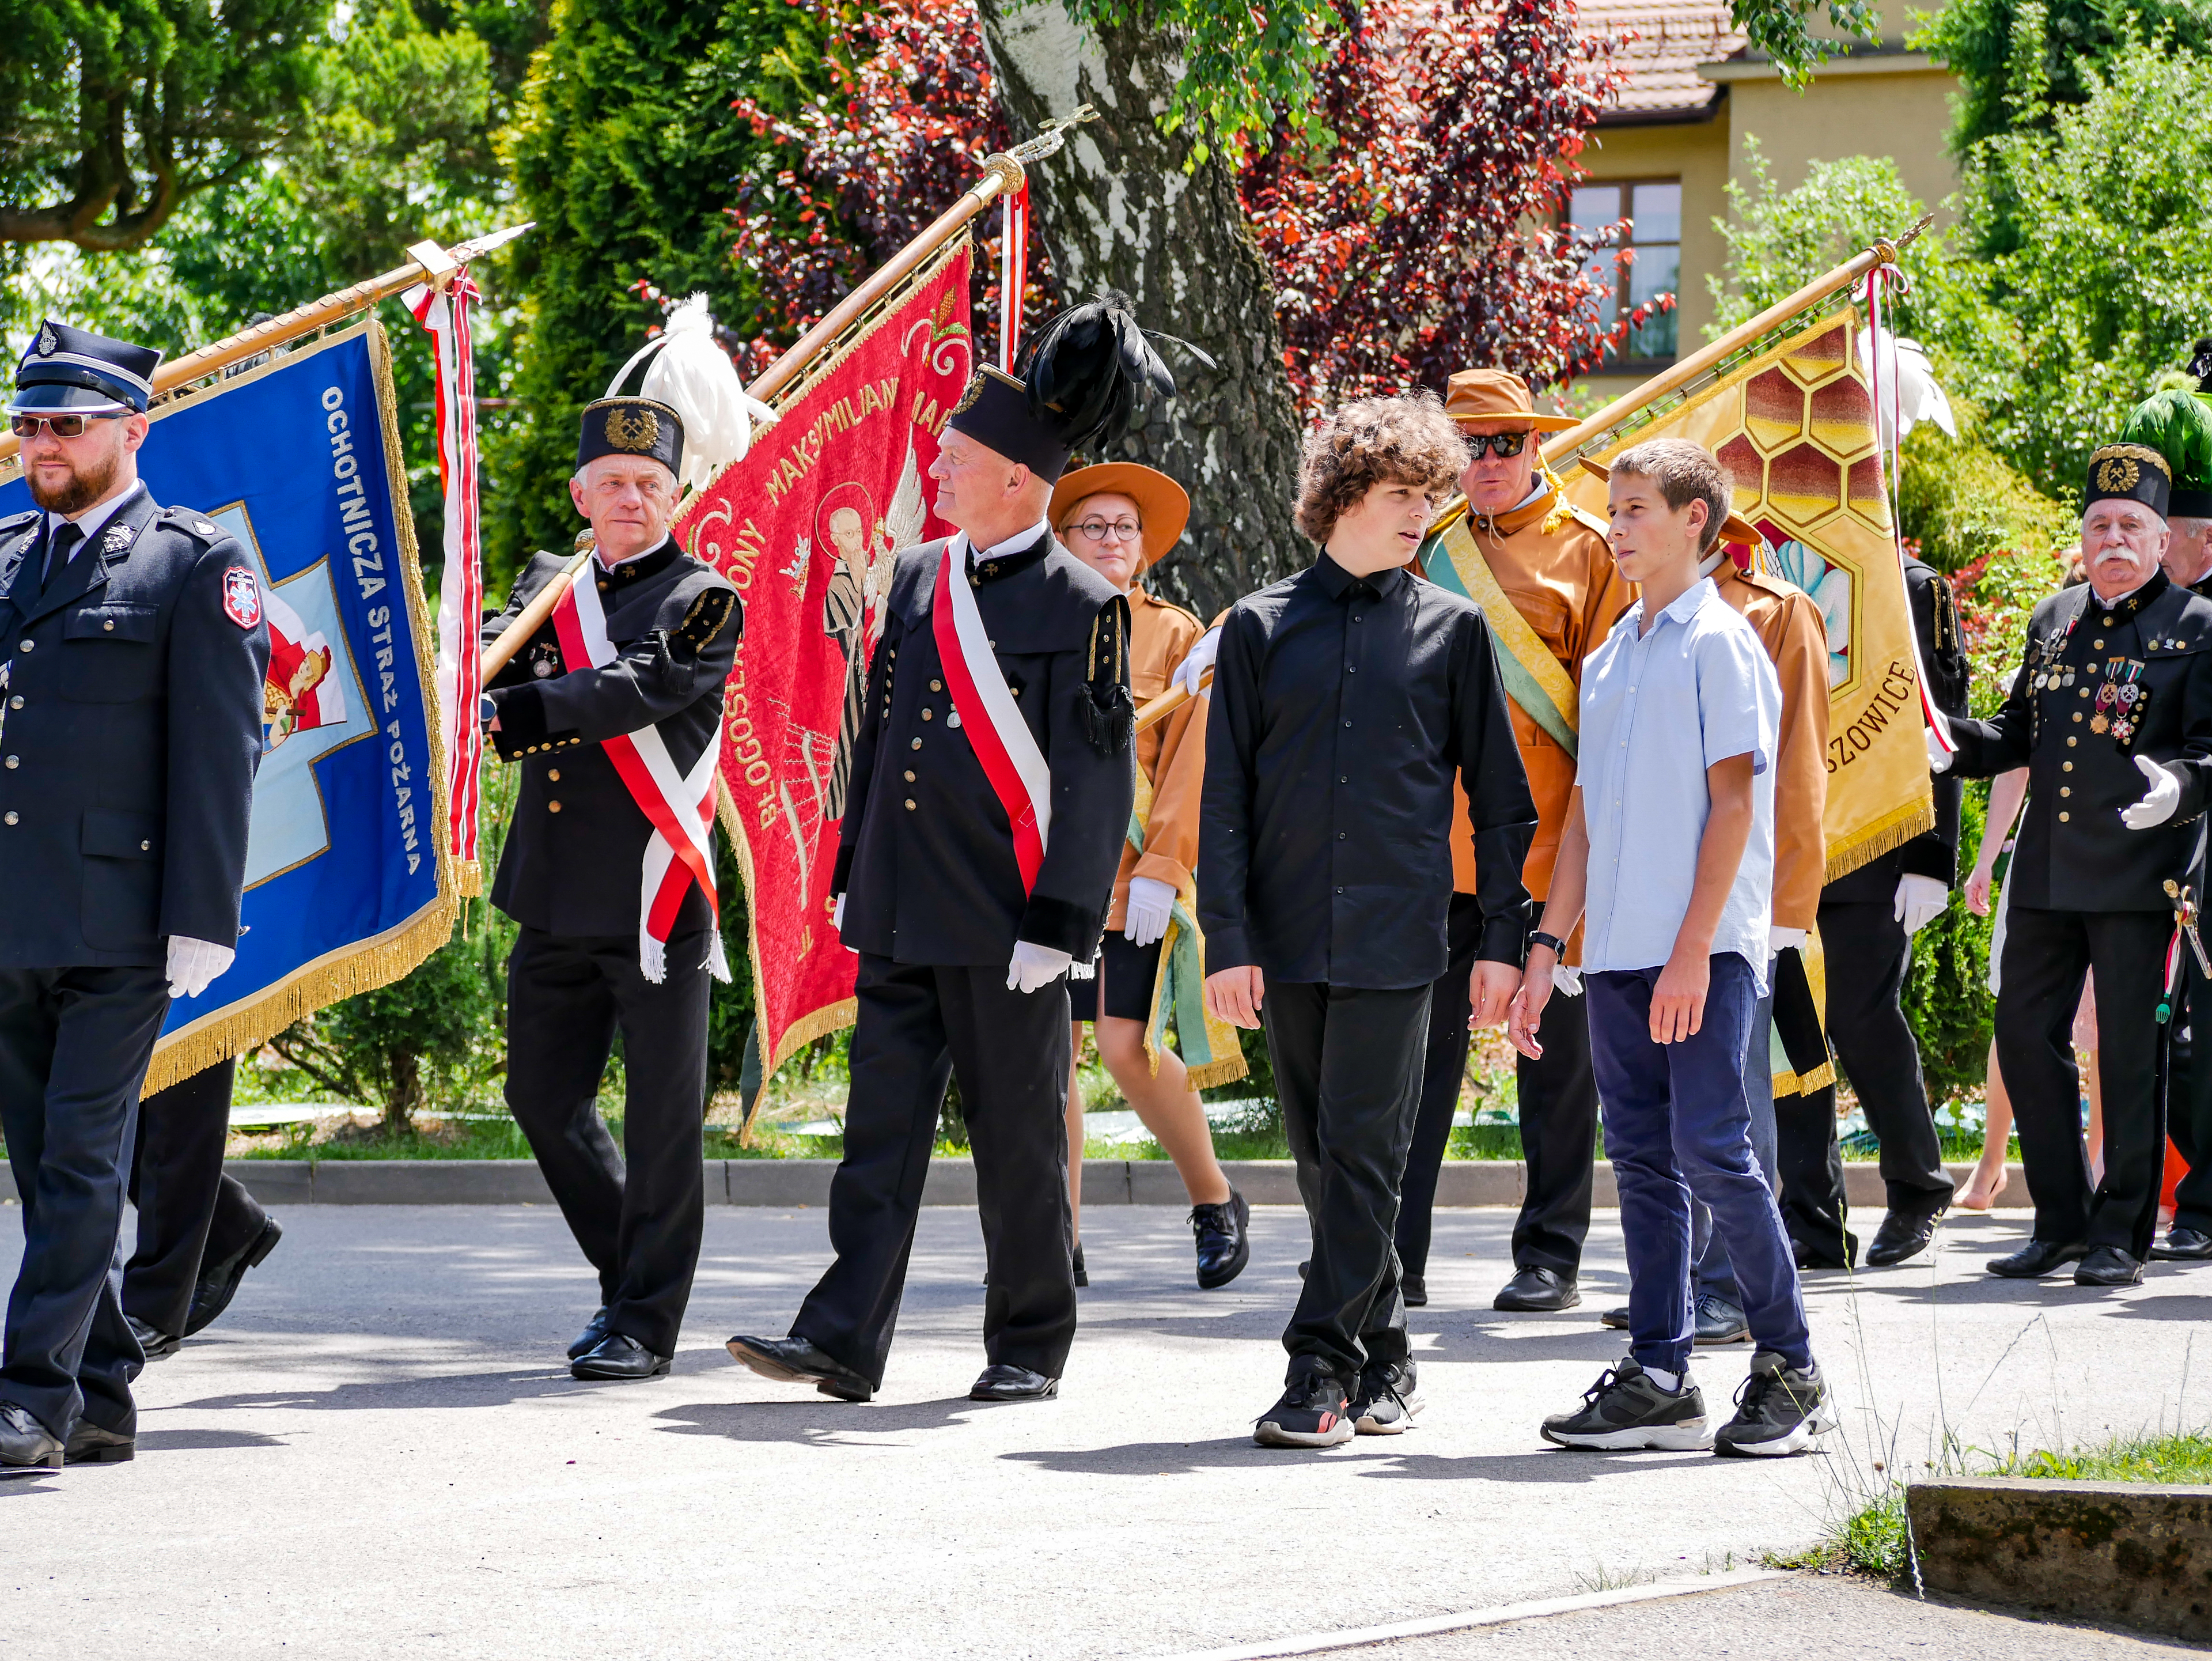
(348, 878)
(806, 527)
(1795, 429)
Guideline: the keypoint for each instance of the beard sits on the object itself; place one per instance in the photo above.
(87, 482)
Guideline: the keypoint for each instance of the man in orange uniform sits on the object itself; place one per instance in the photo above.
(1544, 578)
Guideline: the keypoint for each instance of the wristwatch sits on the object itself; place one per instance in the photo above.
(1538, 937)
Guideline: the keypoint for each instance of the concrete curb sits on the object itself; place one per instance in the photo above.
(1463, 1183)
(2136, 1554)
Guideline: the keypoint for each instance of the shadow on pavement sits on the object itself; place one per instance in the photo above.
(818, 1422)
(439, 1390)
(178, 1441)
(1551, 1467)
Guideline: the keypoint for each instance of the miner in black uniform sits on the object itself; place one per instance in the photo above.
(2111, 713)
(1868, 919)
(132, 651)
(965, 939)
(570, 873)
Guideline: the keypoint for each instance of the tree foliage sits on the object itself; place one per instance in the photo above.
(112, 112)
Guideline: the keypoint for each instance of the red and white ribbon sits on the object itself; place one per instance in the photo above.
(460, 588)
(680, 805)
(1014, 273)
(1879, 280)
(1002, 739)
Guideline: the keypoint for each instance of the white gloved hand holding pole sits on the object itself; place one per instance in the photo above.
(1145, 917)
(1781, 939)
(1034, 966)
(1193, 668)
(193, 964)
(1920, 901)
(2159, 801)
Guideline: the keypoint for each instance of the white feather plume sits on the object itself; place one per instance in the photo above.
(694, 376)
(1907, 376)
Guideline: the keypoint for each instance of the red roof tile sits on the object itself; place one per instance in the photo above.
(1673, 38)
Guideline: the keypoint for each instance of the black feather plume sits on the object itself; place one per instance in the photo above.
(1089, 368)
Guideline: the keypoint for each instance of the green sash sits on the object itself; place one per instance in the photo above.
(1532, 676)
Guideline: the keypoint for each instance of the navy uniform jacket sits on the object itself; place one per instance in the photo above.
(576, 845)
(129, 732)
(1943, 655)
(925, 854)
(2074, 854)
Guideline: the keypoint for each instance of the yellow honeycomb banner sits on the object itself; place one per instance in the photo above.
(1796, 429)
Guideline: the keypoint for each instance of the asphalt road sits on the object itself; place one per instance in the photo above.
(378, 1453)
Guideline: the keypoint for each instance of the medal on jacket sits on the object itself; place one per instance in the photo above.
(2129, 696)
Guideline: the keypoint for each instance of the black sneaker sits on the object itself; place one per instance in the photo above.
(1223, 1247)
(1389, 1397)
(1311, 1415)
(1415, 1289)
(1624, 1409)
(1778, 1411)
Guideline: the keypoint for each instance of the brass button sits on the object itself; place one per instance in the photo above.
(2108, 622)
(909, 804)
(2077, 715)
(109, 625)
(926, 715)
(2064, 791)
(553, 774)
(2061, 819)
(145, 846)
(2066, 766)
(2096, 645)
(917, 743)
(910, 776)
(2085, 692)
(11, 816)
(552, 806)
(937, 686)
(2072, 741)
(13, 763)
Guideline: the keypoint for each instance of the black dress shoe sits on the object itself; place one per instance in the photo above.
(795, 1360)
(158, 1345)
(618, 1356)
(2037, 1259)
(1537, 1291)
(1415, 1289)
(1616, 1317)
(1903, 1234)
(1224, 1244)
(25, 1443)
(2183, 1245)
(1082, 1274)
(88, 1445)
(218, 1283)
(2109, 1266)
(593, 1335)
(1001, 1381)
(1825, 1256)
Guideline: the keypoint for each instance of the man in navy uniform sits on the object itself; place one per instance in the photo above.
(991, 790)
(132, 651)
(633, 661)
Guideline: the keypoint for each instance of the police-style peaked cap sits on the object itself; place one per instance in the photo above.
(75, 370)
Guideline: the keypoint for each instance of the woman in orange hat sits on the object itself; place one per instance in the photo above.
(1119, 518)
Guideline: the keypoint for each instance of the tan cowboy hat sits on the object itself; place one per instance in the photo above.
(1163, 505)
(1734, 528)
(1497, 401)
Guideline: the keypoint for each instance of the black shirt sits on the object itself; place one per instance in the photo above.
(1342, 707)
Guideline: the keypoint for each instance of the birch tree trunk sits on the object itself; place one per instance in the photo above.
(1117, 209)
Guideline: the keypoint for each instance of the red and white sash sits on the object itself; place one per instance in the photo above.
(680, 806)
(988, 714)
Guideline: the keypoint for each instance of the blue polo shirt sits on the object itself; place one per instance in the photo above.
(1657, 709)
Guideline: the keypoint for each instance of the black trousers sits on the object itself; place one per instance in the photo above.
(1443, 1062)
(1867, 950)
(2189, 1097)
(637, 1214)
(1347, 1065)
(2047, 953)
(190, 1213)
(74, 1046)
(917, 1026)
(1808, 1160)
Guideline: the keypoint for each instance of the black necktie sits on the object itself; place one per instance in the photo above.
(59, 550)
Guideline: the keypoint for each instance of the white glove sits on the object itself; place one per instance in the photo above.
(193, 964)
(1781, 939)
(1150, 902)
(1200, 660)
(1939, 759)
(837, 915)
(1567, 982)
(1920, 901)
(2159, 801)
(1034, 966)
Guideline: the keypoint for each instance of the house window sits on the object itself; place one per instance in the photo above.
(1656, 207)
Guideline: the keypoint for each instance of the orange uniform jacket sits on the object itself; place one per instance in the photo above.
(1170, 752)
(1796, 638)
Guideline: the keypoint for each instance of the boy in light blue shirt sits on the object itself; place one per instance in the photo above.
(1670, 840)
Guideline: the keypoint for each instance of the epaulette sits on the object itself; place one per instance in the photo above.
(708, 616)
(1588, 521)
(193, 523)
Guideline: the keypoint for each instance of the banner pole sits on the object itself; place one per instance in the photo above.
(1678, 375)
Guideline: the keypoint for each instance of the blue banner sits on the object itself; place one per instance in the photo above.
(346, 885)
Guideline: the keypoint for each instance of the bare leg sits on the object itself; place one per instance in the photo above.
(1075, 1132)
(1990, 1178)
(1166, 1105)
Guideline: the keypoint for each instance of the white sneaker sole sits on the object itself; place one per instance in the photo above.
(1269, 1434)
(1689, 1436)
(1796, 1440)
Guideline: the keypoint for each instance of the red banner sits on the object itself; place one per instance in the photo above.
(806, 527)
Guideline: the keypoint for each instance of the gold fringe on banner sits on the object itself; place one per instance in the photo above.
(1885, 835)
(363, 967)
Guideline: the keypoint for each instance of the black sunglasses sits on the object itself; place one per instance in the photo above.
(62, 426)
(1503, 444)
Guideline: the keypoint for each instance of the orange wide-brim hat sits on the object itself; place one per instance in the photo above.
(1163, 505)
(1734, 528)
(1497, 399)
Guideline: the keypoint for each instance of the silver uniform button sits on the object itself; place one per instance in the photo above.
(25, 646)
(11, 816)
(145, 846)
(14, 762)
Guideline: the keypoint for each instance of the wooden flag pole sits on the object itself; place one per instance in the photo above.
(427, 263)
(1003, 173)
